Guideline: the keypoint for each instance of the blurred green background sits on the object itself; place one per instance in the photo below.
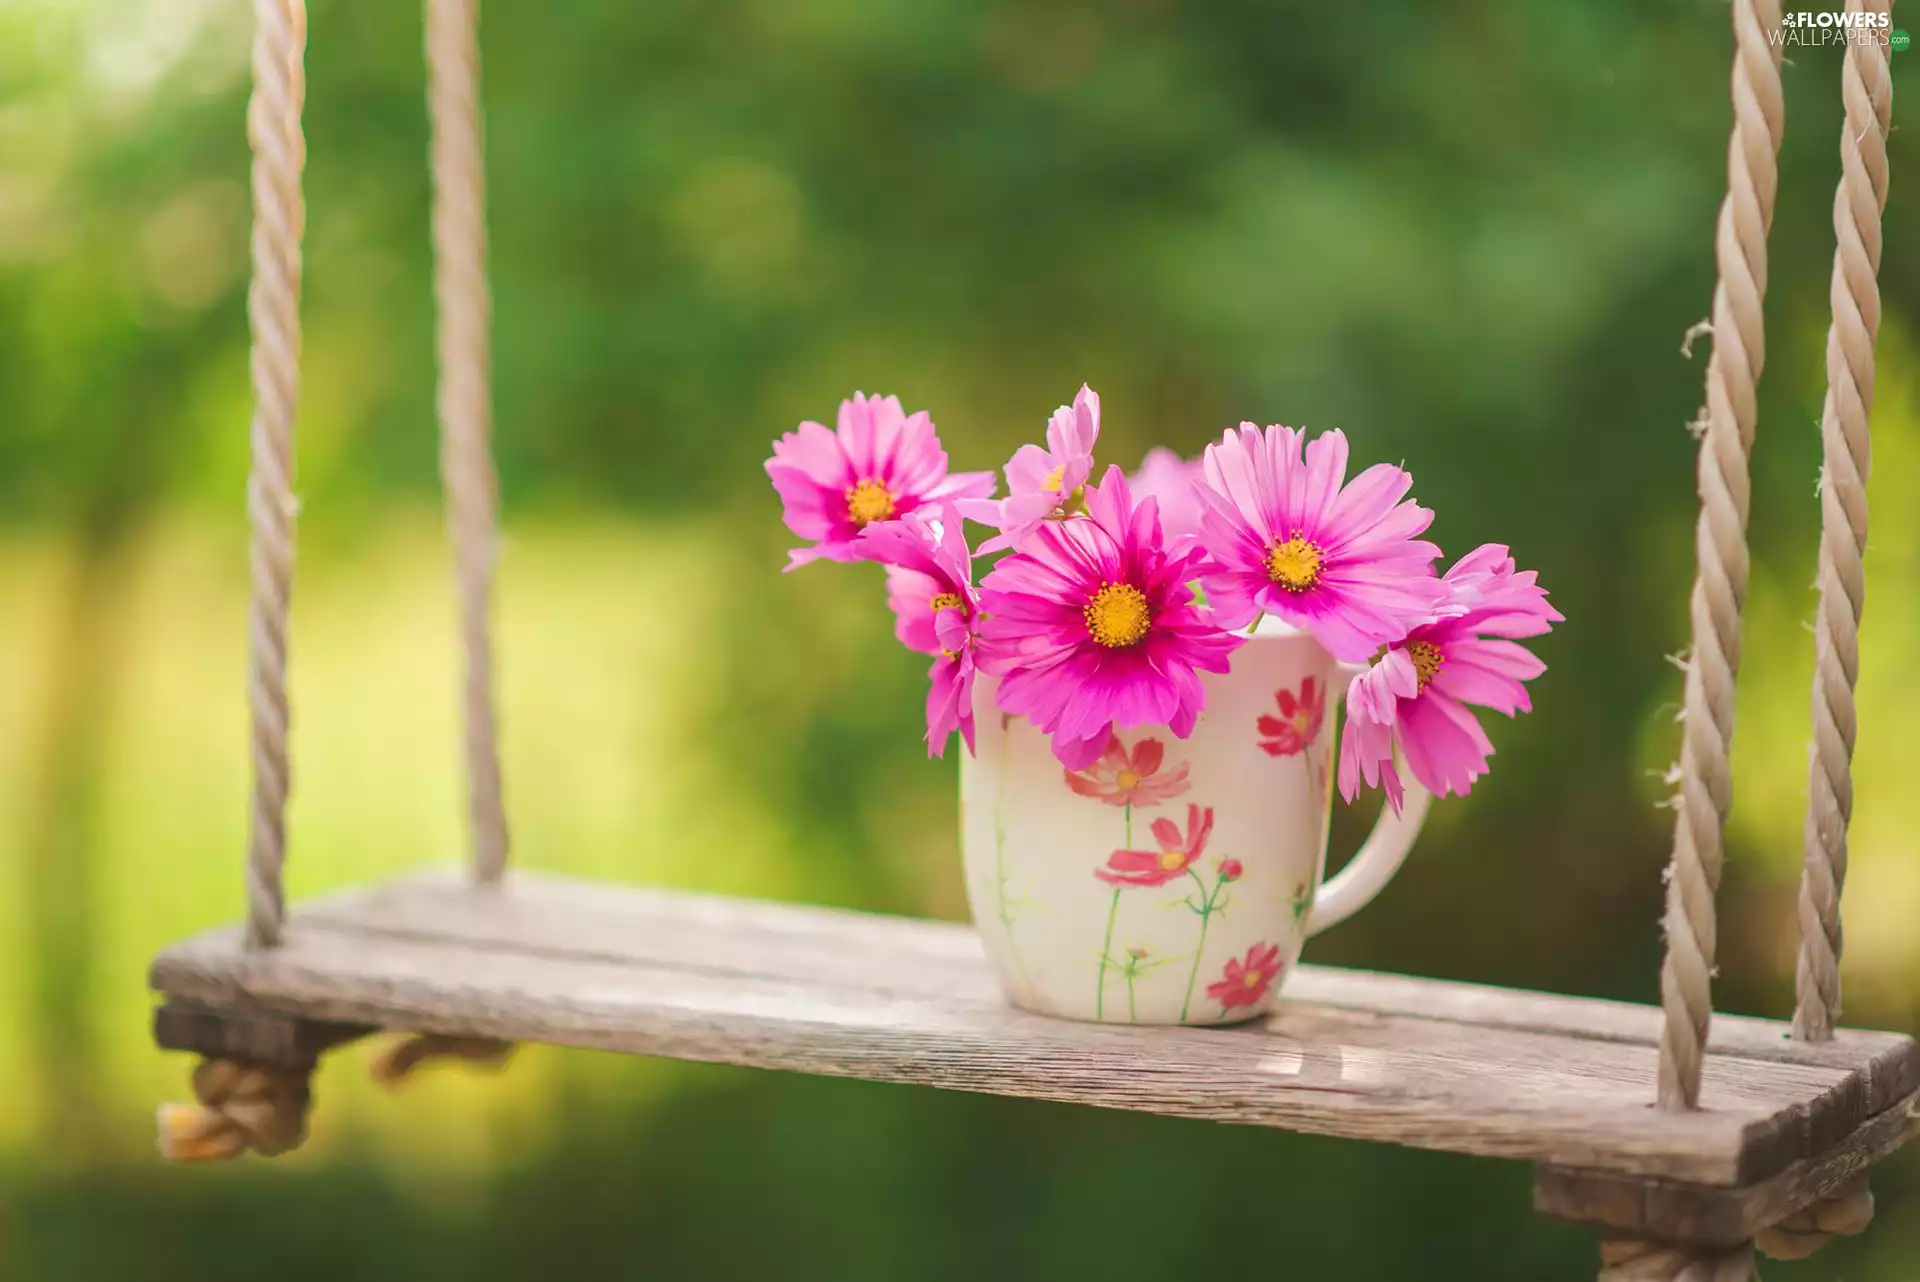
(1470, 233)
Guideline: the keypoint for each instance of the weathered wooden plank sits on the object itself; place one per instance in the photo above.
(1661, 1210)
(1508, 1101)
(712, 934)
(1891, 1060)
(1564, 1082)
(734, 936)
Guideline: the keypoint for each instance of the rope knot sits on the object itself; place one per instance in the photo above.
(1849, 1211)
(243, 1106)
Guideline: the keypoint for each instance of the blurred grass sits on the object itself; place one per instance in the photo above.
(1471, 235)
(607, 775)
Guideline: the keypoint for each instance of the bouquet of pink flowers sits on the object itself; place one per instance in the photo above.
(1109, 598)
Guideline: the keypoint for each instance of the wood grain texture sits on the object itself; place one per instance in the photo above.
(260, 1037)
(1888, 1060)
(1664, 1211)
(1564, 1082)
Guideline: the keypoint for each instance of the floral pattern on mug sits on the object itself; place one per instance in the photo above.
(1246, 982)
(1178, 852)
(1299, 722)
(1210, 902)
(1297, 729)
(1123, 778)
(1137, 964)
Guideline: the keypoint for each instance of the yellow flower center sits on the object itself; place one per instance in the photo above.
(1127, 780)
(1173, 859)
(1427, 659)
(1295, 564)
(868, 501)
(1300, 723)
(1074, 504)
(1250, 978)
(1117, 616)
(945, 601)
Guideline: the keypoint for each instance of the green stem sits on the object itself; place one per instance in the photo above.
(1133, 1016)
(1106, 952)
(1106, 945)
(1206, 914)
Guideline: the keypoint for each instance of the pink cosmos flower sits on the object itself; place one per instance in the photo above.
(1043, 484)
(1416, 694)
(1165, 476)
(930, 587)
(1178, 852)
(1288, 536)
(1299, 722)
(878, 466)
(1120, 778)
(1246, 982)
(1092, 627)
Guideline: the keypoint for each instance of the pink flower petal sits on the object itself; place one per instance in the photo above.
(1169, 479)
(1444, 745)
(909, 594)
(1263, 487)
(1055, 671)
(815, 471)
(1488, 673)
(1321, 479)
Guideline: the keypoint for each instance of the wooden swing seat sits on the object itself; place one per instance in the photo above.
(1563, 1082)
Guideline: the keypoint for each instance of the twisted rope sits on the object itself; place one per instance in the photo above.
(396, 1065)
(1625, 1260)
(1867, 88)
(1720, 585)
(243, 1107)
(463, 396)
(273, 318)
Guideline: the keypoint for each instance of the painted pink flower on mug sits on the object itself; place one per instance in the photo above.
(1299, 722)
(1178, 852)
(1123, 778)
(1247, 981)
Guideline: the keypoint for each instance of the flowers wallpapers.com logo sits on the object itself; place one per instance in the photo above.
(1812, 29)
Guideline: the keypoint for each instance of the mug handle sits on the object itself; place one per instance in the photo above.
(1369, 871)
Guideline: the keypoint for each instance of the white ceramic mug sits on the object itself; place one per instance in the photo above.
(1175, 881)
